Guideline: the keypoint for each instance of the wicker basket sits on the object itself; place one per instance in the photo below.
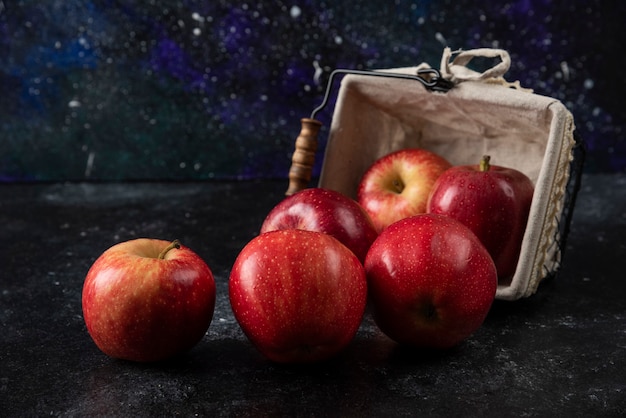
(480, 114)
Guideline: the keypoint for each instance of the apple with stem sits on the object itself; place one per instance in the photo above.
(397, 185)
(299, 296)
(327, 211)
(147, 300)
(493, 201)
(431, 281)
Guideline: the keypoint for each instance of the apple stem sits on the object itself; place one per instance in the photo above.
(174, 244)
(484, 163)
(431, 312)
(398, 185)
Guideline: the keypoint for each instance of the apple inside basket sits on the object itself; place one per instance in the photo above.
(519, 129)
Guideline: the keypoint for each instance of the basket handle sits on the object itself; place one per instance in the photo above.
(457, 71)
(304, 156)
(306, 144)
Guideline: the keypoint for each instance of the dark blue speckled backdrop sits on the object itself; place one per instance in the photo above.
(125, 89)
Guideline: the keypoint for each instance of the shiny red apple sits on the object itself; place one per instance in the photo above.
(431, 282)
(397, 185)
(148, 300)
(327, 211)
(494, 202)
(298, 295)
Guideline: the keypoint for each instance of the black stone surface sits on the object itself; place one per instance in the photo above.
(561, 352)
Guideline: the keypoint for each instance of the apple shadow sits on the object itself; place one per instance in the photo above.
(501, 310)
(402, 354)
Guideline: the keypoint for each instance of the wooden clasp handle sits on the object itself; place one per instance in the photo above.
(304, 156)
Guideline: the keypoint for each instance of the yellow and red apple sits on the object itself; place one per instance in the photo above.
(147, 300)
(397, 185)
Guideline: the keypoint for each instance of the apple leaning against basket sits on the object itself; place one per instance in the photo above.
(493, 201)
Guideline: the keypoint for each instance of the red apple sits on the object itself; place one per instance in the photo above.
(493, 202)
(147, 300)
(326, 211)
(298, 295)
(431, 281)
(397, 185)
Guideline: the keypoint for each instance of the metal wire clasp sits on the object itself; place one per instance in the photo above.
(429, 77)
